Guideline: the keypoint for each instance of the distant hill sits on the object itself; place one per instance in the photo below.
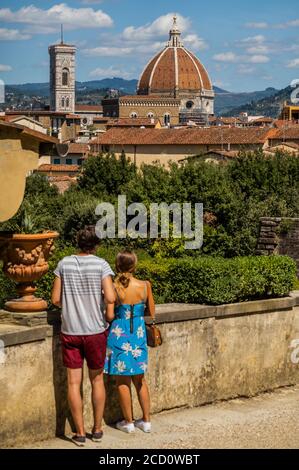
(91, 92)
(226, 102)
(267, 106)
(42, 89)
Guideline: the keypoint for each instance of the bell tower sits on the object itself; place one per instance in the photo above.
(62, 77)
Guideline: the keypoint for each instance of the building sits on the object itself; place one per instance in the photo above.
(20, 150)
(164, 145)
(88, 113)
(26, 121)
(290, 112)
(64, 126)
(174, 87)
(62, 77)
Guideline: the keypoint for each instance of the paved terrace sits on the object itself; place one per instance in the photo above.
(267, 421)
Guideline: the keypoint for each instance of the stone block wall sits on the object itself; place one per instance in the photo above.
(279, 235)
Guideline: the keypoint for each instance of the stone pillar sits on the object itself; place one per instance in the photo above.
(268, 240)
(279, 235)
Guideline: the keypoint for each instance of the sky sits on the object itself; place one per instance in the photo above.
(245, 46)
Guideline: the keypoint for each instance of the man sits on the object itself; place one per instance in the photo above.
(83, 284)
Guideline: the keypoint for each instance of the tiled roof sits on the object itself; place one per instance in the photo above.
(132, 122)
(196, 136)
(58, 168)
(27, 131)
(78, 148)
(88, 108)
(263, 119)
(287, 133)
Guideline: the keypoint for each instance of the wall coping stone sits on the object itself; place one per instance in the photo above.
(15, 329)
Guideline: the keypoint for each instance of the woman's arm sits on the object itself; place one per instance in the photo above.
(56, 292)
(150, 303)
(110, 312)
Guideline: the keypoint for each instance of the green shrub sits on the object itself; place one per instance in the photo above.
(216, 281)
(219, 281)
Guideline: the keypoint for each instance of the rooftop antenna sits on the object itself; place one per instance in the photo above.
(61, 34)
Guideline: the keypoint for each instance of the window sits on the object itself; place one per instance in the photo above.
(150, 115)
(67, 102)
(56, 161)
(80, 161)
(63, 103)
(134, 115)
(69, 161)
(166, 119)
(65, 77)
(189, 104)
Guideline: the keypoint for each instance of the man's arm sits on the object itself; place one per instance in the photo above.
(109, 297)
(56, 292)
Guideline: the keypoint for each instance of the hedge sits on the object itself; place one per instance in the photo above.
(215, 281)
(203, 280)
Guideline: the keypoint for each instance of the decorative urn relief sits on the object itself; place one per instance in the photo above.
(25, 261)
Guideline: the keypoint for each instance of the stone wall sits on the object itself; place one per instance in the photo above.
(208, 354)
(279, 236)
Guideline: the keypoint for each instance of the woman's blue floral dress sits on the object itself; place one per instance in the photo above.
(127, 352)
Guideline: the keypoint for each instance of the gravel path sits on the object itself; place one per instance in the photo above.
(270, 420)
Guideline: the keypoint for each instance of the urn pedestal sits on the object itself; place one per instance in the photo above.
(25, 261)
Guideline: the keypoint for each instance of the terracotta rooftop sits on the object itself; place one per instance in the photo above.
(263, 119)
(78, 148)
(132, 122)
(27, 131)
(195, 136)
(88, 108)
(45, 168)
(290, 132)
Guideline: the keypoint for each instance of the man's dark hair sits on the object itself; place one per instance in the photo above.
(87, 239)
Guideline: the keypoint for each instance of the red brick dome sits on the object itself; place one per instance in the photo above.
(175, 71)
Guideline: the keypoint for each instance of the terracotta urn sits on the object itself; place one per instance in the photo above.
(25, 261)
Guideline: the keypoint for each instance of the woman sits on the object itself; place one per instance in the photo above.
(127, 354)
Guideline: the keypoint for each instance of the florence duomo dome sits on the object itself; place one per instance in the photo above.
(177, 73)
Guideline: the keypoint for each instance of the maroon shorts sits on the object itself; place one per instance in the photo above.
(90, 347)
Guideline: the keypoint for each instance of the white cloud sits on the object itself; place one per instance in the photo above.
(257, 25)
(145, 40)
(158, 28)
(13, 35)
(226, 57)
(231, 57)
(245, 69)
(258, 59)
(258, 49)
(5, 68)
(111, 72)
(107, 51)
(44, 20)
(258, 39)
(195, 42)
(293, 64)
(91, 2)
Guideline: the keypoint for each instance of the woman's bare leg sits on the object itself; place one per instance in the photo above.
(124, 392)
(143, 395)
